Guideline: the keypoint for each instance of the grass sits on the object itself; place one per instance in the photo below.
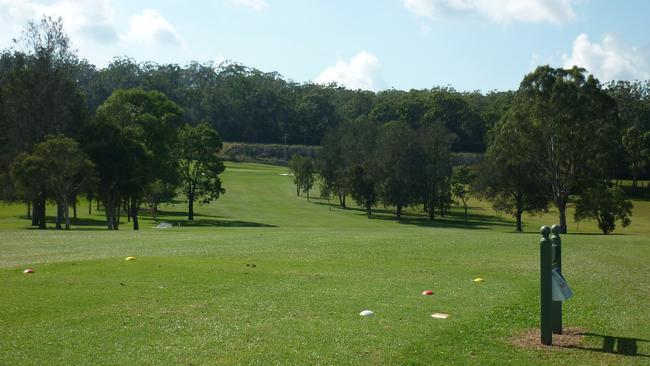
(193, 296)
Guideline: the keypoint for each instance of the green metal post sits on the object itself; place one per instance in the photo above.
(557, 264)
(546, 294)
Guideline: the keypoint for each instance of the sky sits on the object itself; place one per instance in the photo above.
(375, 45)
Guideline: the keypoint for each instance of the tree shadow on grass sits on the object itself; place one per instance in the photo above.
(616, 345)
(161, 214)
(452, 219)
(223, 223)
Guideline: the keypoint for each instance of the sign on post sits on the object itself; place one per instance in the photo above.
(553, 286)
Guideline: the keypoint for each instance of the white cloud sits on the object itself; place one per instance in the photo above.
(362, 72)
(150, 26)
(612, 59)
(90, 19)
(500, 11)
(256, 5)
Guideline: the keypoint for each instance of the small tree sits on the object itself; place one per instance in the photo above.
(29, 175)
(461, 179)
(69, 172)
(303, 173)
(199, 164)
(606, 204)
(635, 143)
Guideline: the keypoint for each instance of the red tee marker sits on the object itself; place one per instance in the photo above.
(427, 292)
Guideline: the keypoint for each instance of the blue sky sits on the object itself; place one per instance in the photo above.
(404, 44)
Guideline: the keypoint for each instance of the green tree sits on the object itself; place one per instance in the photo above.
(39, 92)
(149, 118)
(461, 179)
(200, 165)
(507, 176)
(637, 146)
(436, 142)
(68, 172)
(399, 158)
(606, 204)
(123, 167)
(571, 125)
(333, 166)
(29, 174)
(303, 173)
(360, 150)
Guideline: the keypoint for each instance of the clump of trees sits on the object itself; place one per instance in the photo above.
(562, 138)
(393, 163)
(134, 150)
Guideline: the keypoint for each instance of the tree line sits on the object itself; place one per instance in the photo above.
(142, 132)
(564, 140)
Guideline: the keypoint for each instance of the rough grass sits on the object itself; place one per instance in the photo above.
(194, 297)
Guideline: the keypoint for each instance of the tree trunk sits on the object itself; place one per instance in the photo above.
(307, 195)
(41, 212)
(134, 213)
(59, 214)
(519, 226)
(561, 207)
(66, 214)
(74, 210)
(90, 206)
(127, 208)
(368, 211)
(398, 212)
(108, 210)
(35, 213)
(297, 190)
(465, 213)
(190, 209)
(342, 200)
(29, 209)
(154, 211)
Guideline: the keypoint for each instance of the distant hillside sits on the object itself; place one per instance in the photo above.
(275, 153)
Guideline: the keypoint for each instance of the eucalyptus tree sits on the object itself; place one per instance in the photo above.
(151, 119)
(436, 142)
(200, 165)
(508, 176)
(571, 126)
(399, 162)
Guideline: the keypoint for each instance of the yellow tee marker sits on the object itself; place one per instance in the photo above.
(479, 280)
(129, 258)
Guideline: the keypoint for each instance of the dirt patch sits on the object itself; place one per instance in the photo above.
(570, 337)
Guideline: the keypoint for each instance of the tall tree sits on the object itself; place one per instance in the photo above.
(150, 118)
(508, 176)
(436, 142)
(400, 158)
(573, 125)
(122, 163)
(461, 178)
(68, 172)
(637, 146)
(303, 173)
(200, 165)
(39, 93)
(360, 148)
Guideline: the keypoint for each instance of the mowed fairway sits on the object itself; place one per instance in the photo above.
(263, 277)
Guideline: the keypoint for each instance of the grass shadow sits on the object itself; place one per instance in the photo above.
(224, 223)
(616, 345)
(452, 219)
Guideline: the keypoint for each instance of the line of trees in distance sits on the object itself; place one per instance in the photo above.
(563, 140)
(149, 132)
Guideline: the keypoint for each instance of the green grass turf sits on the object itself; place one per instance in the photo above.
(193, 296)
